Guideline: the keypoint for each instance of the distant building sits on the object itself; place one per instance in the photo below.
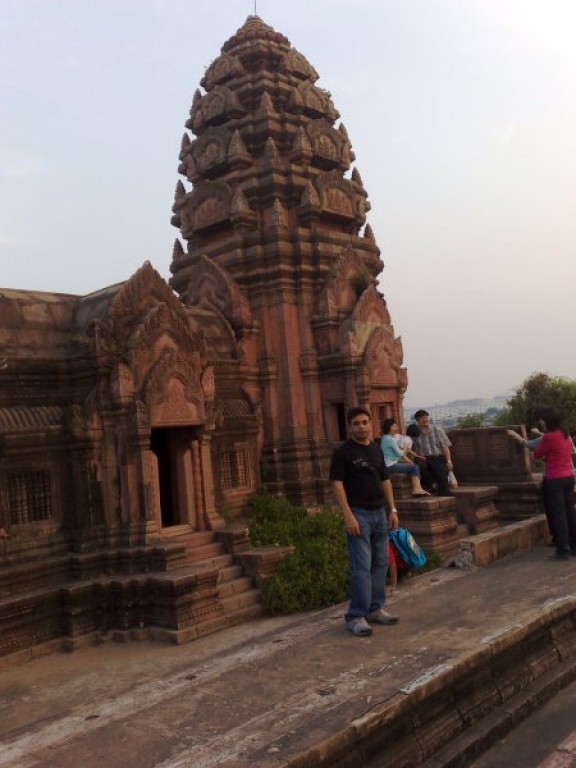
(448, 414)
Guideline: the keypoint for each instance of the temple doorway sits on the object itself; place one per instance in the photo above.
(177, 477)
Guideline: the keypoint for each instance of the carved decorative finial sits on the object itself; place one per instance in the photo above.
(368, 232)
(237, 152)
(177, 252)
(239, 203)
(271, 151)
(236, 146)
(301, 141)
(266, 103)
(343, 131)
(184, 145)
(356, 177)
(310, 196)
(278, 218)
(180, 191)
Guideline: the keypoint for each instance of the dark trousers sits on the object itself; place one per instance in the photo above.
(433, 470)
(547, 511)
(560, 510)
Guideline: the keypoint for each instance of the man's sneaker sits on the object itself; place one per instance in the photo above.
(381, 617)
(359, 627)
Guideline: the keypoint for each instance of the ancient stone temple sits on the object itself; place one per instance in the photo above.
(135, 419)
(277, 245)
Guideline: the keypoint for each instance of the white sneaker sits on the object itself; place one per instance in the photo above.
(359, 626)
(380, 616)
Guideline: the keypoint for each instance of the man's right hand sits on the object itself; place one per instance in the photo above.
(352, 527)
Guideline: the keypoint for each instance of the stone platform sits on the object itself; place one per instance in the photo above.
(475, 651)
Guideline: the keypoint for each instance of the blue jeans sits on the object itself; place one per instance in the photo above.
(404, 469)
(368, 562)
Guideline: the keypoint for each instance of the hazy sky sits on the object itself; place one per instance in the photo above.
(462, 115)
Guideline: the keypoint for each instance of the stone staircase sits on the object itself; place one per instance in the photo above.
(222, 594)
(177, 587)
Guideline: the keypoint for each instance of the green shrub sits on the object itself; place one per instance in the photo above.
(315, 575)
(273, 520)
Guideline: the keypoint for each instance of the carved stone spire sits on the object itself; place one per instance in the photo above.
(271, 209)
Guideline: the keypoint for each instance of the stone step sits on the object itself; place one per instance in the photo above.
(230, 572)
(222, 562)
(204, 552)
(234, 603)
(234, 587)
(191, 538)
(180, 636)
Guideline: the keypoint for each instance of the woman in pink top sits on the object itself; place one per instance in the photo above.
(555, 449)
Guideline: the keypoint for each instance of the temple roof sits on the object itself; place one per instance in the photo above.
(254, 29)
(30, 418)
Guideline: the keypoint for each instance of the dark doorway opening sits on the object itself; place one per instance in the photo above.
(160, 446)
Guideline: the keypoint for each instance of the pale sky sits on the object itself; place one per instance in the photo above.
(461, 113)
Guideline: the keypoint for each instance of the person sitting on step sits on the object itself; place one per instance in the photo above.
(396, 460)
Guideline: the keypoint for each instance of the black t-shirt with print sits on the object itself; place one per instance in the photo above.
(361, 469)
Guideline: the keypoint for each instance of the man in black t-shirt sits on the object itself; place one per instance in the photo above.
(362, 487)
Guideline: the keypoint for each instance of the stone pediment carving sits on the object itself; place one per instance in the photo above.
(294, 63)
(337, 197)
(220, 337)
(136, 292)
(144, 317)
(222, 69)
(217, 105)
(369, 315)
(209, 153)
(383, 357)
(206, 206)
(313, 101)
(338, 294)
(371, 308)
(172, 390)
(327, 145)
(212, 284)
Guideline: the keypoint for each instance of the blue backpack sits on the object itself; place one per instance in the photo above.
(407, 548)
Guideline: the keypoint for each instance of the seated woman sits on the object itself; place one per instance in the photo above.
(405, 441)
(396, 460)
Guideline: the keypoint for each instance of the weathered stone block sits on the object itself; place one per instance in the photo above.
(476, 508)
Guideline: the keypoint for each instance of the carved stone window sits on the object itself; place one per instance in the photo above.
(234, 467)
(29, 497)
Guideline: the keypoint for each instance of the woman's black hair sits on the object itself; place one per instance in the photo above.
(387, 425)
(413, 430)
(552, 420)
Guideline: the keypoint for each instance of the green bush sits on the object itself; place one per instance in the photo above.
(273, 520)
(316, 574)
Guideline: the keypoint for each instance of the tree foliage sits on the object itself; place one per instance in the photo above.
(470, 421)
(539, 391)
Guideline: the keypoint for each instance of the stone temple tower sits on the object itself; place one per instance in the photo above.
(278, 250)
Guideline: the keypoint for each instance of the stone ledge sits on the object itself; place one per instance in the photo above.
(261, 563)
(455, 711)
(492, 545)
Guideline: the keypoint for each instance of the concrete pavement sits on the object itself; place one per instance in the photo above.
(301, 691)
